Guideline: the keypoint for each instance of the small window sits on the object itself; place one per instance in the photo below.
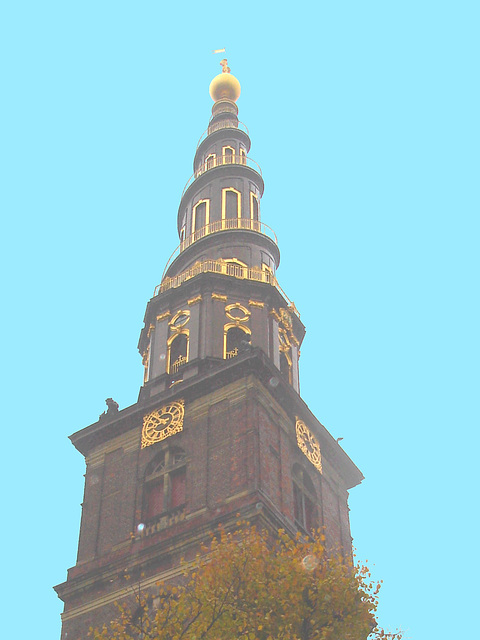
(210, 161)
(165, 483)
(231, 206)
(200, 215)
(304, 500)
(237, 340)
(228, 155)
(178, 353)
(254, 207)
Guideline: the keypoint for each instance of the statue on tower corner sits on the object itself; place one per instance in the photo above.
(112, 407)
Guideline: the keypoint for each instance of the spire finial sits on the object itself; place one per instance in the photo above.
(225, 85)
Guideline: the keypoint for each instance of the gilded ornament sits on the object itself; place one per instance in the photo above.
(180, 319)
(219, 296)
(285, 317)
(275, 314)
(237, 312)
(308, 444)
(162, 316)
(256, 303)
(194, 300)
(162, 423)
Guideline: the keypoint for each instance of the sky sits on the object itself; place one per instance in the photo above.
(364, 119)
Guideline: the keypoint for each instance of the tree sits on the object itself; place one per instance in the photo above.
(248, 585)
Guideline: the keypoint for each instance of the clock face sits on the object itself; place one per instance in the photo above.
(162, 423)
(308, 444)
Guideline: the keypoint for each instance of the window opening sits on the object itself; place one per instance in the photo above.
(178, 352)
(237, 340)
(228, 155)
(231, 204)
(165, 484)
(201, 215)
(254, 207)
(210, 161)
(304, 499)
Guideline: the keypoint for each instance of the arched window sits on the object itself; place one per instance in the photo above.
(177, 352)
(304, 500)
(164, 487)
(231, 204)
(210, 161)
(237, 339)
(243, 156)
(201, 215)
(228, 155)
(254, 207)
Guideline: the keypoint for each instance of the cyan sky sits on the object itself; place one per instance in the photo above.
(364, 119)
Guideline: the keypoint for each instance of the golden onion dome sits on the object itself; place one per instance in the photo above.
(225, 86)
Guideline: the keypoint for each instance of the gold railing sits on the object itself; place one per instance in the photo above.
(179, 362)
(216, 266)
(225, 225)
(222, 125)
(219, 161)
(221, 225)
(226, 268)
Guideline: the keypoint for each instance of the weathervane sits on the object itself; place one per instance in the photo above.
(223, 63)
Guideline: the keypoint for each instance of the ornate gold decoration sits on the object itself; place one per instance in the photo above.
(236, 306)
(194, 300)
(179, 320)
(284, 340)
(308, 444)
(219, 296)
(227, 267)
(275, 314)
(179, 362)
(150, 329)
(162, 423)
(285, 317)
(145, 360)
(256, 303)
(162, 316)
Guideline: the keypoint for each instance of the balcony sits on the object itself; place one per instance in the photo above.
(228, 269)
(179, 362)
(219, 161)
(222, 125)
(221, 225)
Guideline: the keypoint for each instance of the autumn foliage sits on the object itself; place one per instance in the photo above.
(248, 585)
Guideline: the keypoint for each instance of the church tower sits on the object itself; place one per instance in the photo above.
(219, 430)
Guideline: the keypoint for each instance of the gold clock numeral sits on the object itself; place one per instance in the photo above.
(308, 444)
(162, 423)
